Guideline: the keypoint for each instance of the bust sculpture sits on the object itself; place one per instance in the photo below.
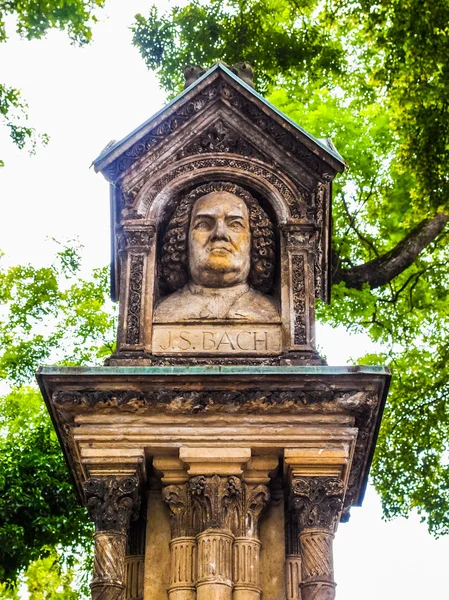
(218, 258)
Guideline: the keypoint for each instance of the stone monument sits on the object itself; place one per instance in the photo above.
(215, 451)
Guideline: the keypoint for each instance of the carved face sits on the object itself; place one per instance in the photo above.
(219, 241)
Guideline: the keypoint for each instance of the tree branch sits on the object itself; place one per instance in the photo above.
(383, 269)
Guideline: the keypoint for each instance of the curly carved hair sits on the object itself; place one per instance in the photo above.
(174, 262)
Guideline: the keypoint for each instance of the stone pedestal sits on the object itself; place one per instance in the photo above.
(210, 443)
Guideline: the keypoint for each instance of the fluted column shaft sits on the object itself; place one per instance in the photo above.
(293, 576)
(246, 569)
(183, 568)
(292, 558)
(134, 576)
(214, 565)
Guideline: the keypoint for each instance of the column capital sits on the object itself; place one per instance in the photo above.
(318, 501)
(138, 235)
(112, 502)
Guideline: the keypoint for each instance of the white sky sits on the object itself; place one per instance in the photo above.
(83, 98)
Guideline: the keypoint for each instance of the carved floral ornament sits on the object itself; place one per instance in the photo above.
(218, 90)
(112, 503)
(141, 196)
(215, 503)
(318, 501)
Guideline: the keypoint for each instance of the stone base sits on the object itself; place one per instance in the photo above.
(230, 424)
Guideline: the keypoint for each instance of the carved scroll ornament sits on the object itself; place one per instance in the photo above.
(317, 500)
(112, 502)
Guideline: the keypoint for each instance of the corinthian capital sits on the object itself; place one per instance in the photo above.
(176, 499)
(317, 500)
(112, 503)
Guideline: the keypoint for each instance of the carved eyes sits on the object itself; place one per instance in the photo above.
(236, 225)
(204, 225)
(209, 224)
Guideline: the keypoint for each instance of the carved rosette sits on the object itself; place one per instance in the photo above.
(317, 502)
(111, 503)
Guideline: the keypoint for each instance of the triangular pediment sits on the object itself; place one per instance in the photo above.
(219, 90)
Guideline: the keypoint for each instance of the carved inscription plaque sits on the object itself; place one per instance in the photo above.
(216, 338)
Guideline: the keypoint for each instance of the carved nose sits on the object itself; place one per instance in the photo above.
(220, 231)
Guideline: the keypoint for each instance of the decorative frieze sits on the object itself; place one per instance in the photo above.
(299, 299)
(219, 137)
(279, 135)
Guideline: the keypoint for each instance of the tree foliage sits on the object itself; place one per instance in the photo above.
(32, 21)
(49, 315)
(374, 77)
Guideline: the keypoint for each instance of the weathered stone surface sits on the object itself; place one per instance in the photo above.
(157, 549)
(219, 147)
(210, 406)
(221, 242)
(273, 550)
(111, 504)
(316, 503)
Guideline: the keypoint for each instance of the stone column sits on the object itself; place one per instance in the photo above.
(247, 546)
(215, 543)
(292, 557)
(183, 551)
(317, 502)
(135, 559)
(111, 503)
(214, 565)
(215, 509)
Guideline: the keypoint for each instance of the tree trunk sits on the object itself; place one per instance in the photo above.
(383, 269)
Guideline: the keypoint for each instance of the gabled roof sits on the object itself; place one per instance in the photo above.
(110, 154)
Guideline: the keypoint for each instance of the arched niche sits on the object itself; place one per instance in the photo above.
(286, 200)
(153, 205)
